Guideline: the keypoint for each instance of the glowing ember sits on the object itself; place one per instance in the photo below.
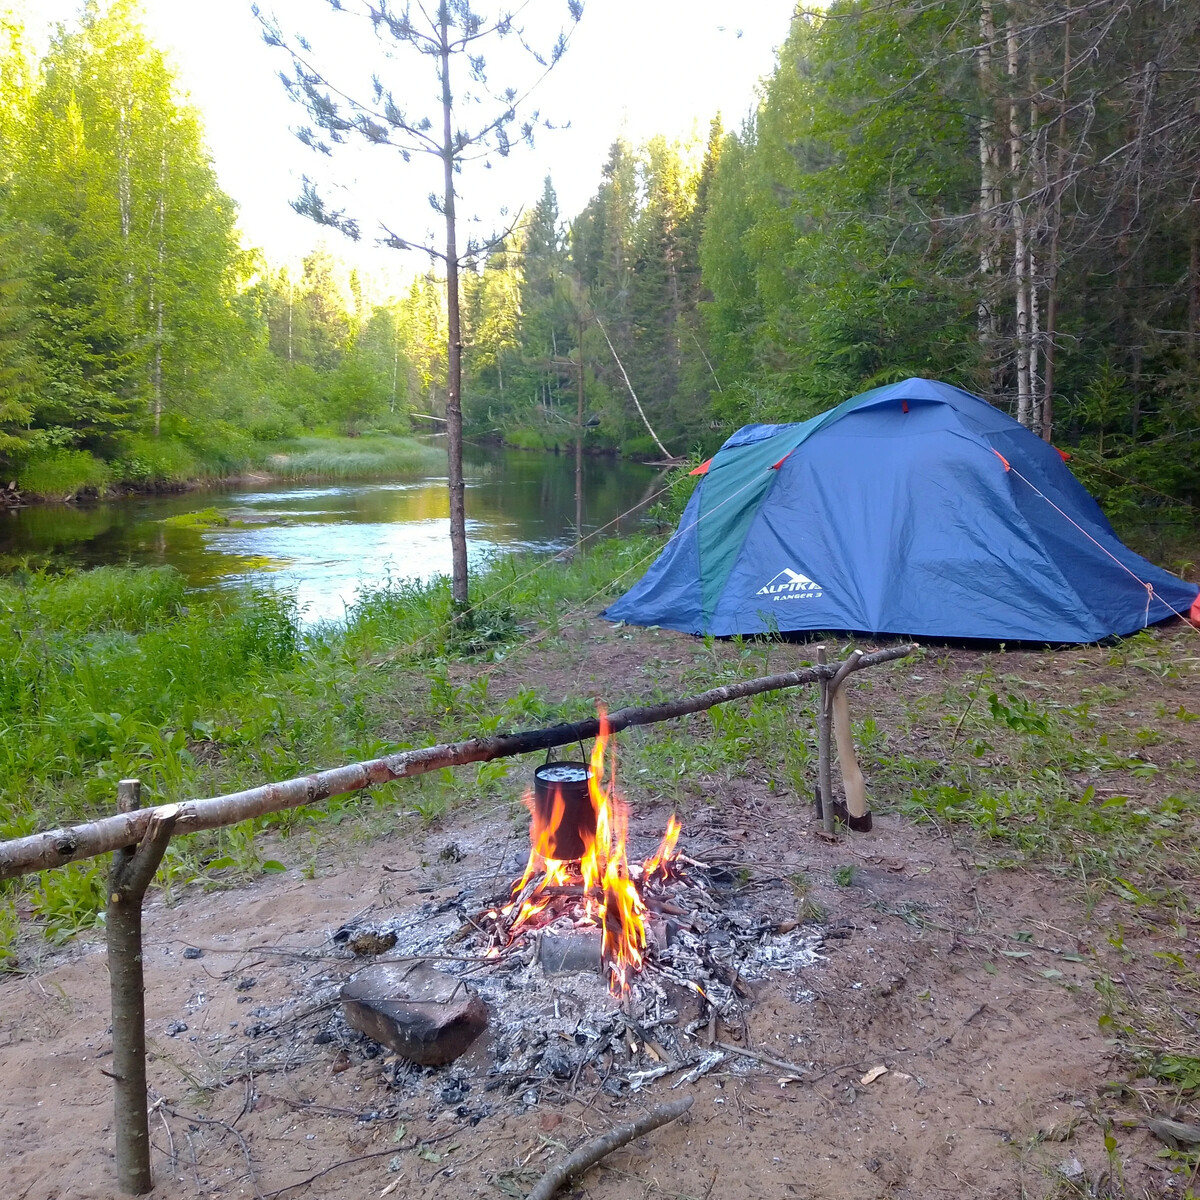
(612, 896)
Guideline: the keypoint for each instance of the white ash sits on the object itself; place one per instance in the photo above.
(550, 1037)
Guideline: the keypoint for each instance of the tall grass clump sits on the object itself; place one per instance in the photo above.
(102, 674)
(372, 457)
(108, 598)
(60, 474)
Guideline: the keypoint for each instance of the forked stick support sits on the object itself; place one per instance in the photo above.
(833, 726)
(133, 868)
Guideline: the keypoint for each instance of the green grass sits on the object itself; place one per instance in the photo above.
(62, 474)
(368, 457)
(118, 672)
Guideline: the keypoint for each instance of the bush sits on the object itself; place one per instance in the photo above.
(148, 461)
(640, 447)
(63, 474)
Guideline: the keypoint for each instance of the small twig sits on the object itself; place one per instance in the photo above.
(345, 1162)
(765, 1059)
(970, 705)
(228, 1129)
(592, 1152)
(170, 1140)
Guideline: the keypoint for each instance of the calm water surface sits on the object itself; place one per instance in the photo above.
(324, 541)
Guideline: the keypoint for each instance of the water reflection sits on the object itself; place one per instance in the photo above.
(322, 542)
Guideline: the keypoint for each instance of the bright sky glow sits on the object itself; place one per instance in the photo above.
(635, 68)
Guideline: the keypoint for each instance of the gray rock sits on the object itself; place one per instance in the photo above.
(424, 1015)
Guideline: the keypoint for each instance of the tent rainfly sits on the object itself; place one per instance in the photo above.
(915, 509)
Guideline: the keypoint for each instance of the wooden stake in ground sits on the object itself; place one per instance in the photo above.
(824, 768)
(132, 871)
(858, 815)
(592, 1152)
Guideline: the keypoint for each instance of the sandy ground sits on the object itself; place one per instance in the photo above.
(973, 988)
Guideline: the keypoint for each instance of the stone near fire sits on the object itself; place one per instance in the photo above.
(426, 1016)
(570, 953)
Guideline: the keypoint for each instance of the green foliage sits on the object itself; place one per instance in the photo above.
(70, 900)
(62, 474)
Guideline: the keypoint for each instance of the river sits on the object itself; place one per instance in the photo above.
(322, 542)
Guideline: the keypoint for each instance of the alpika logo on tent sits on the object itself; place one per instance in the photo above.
(791, 585)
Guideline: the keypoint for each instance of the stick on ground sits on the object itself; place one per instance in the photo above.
(592, 1152)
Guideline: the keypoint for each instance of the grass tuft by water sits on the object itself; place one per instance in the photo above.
(370, 457)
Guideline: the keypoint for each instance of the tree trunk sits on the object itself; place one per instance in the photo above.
(579, 442)
(1060, 153)
(989, 187)
(157, 302)
(1194, 290)
(458, 511)
(1020, 234)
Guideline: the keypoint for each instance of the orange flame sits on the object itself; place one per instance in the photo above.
(554, 871)
(610, 896)
(659, 863)
(606, 865)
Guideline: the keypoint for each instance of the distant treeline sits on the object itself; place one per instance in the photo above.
(1002, 195)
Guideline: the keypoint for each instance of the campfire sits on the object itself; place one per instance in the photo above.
(591, 967)
(579, 865)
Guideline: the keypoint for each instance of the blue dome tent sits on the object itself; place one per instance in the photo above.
(915, 509)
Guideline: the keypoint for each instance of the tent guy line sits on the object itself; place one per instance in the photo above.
(1151, 594)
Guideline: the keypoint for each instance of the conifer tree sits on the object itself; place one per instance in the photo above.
(454, 37)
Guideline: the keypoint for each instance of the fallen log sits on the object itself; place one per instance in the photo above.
(592, 1152)
(54, 848)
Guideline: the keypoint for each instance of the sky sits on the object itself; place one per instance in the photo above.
(634, 68)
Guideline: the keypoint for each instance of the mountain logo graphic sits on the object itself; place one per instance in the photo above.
(791, 585)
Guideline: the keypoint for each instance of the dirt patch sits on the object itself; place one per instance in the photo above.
(974, 984)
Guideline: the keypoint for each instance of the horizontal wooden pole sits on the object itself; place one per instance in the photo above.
(39, 851)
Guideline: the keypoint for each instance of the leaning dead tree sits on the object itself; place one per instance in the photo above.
(139, 837)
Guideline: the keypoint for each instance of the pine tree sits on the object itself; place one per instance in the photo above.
(454, 38)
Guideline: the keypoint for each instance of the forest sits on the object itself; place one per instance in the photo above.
(999, 195)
